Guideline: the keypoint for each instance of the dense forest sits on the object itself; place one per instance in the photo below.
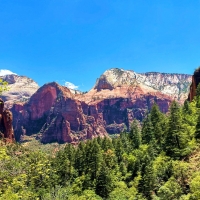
(157, 159)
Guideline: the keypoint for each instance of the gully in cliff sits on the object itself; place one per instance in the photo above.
(6, 128)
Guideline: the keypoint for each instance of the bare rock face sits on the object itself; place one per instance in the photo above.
(173, 85)
(53, 113)
(118, 113)
(6, 119)
(120, 95)
(21, 88)
(193, 86)
(58, 115)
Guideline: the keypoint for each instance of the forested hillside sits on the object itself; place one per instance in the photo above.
(159, 159)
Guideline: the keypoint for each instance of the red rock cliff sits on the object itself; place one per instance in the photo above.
(56, 116)
(193, 86)
(6, 127)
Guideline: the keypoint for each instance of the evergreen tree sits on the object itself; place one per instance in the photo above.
(198, 96)
(93, 159)
(176, 140)
(186, 107)
(157, 120)
(147, 131)
(126, 142)
(104, 184)
(80, 158)
(119, 150)
(135, 135)
(198, 91)
(69, 152)
(106, 144)
(64, 168)
(197, 130)
(148, 181)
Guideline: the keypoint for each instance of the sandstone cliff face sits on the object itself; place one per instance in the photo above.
(53, 113)
(21, 88)
(193, 86)
(174, 85)
(6, 119)
(122, 95)
(118, 112)
(58, 115)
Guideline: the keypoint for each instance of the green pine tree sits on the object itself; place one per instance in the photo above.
(176, 139)
(147, 131)
(93, 159)
(135, 135)
(198, 96)
(80, 158)
(197, 130)
(104, 184)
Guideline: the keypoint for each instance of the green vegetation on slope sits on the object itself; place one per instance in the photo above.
(160, 161)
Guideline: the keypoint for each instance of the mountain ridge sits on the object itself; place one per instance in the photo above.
(55, 113)
(20, 88)
(167, 82)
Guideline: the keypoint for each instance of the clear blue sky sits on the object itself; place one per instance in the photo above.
(77, 40)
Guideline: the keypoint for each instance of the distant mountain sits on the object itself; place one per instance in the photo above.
(174, 85)
(59, 114)
(21, 88)
(54, 113)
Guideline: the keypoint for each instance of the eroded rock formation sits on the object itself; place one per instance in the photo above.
(193, 86)
(21, 88)
(54, 114)
(171, 84)
(57, 115)
(6, 119)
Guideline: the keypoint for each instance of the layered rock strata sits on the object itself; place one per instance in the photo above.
(173, 85)
(56, 114)
(53, 113)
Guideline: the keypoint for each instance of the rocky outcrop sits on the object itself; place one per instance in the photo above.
(55, 116)
(193, 86)
(118, 113)
(6, 119)
(174, 85)
(21, 88)
(122, 95)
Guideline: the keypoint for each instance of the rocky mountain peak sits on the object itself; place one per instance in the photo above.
(115, 77)
(21, 88)
(172, 84)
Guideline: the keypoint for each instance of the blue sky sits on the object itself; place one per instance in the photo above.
(77, 40)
